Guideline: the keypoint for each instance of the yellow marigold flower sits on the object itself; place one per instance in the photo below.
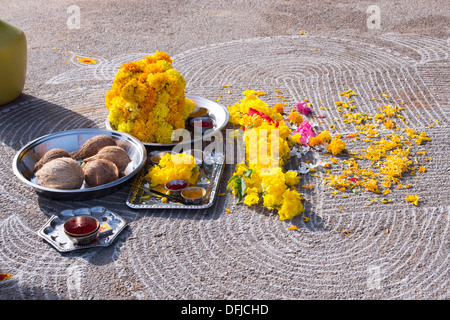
(292, 178)
(270, 201)
(413, 198)
(291, 205)
(371, 185)
(336, 146)
(251, 199)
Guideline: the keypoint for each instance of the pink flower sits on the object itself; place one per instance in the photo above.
(305, 130)
(303, 108)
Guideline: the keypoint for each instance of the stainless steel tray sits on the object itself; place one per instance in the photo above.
(139, 198)
(53, 231)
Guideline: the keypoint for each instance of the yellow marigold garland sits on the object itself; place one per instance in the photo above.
(262, 178)
(147, 99)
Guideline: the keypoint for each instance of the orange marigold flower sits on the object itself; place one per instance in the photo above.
(295, 118)
(323, 137)
(336, 146)
(278, 108)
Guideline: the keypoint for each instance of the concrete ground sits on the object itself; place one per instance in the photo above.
(395, 251)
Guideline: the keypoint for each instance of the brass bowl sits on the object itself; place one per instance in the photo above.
(193, 195)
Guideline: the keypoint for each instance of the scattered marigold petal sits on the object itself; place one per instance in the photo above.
(87, 60)
(414, 199)
(4, 276)
(292, 228)
(227, 210)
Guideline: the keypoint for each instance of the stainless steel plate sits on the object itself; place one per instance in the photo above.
(139, 198)
(70, 141)
(216, 111)
(53, 231)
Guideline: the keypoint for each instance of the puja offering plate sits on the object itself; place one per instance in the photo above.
(111, 224)
(217, 114)
(142, 196)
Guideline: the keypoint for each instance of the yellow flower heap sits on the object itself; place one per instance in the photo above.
(174, 166)
(267, 149)
(147, 99)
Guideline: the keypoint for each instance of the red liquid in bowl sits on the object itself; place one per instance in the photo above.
(79, 226)
(203, 123)
(179, 185)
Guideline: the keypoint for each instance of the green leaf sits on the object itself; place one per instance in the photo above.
(230, 181)
(239, 184)
(248, 173)
(241, 189)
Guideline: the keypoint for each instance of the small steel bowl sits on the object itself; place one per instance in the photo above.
(204, 123)
(199, 112)
(176, 186)
(72, 140)
(156, 156)
(81, 230)
(190, 195)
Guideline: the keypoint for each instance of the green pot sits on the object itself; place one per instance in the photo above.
(13, 62)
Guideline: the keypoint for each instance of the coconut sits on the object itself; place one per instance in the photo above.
(115, 154)
(49, 156)
(61, 173)
(92, 146)
(100, 171)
